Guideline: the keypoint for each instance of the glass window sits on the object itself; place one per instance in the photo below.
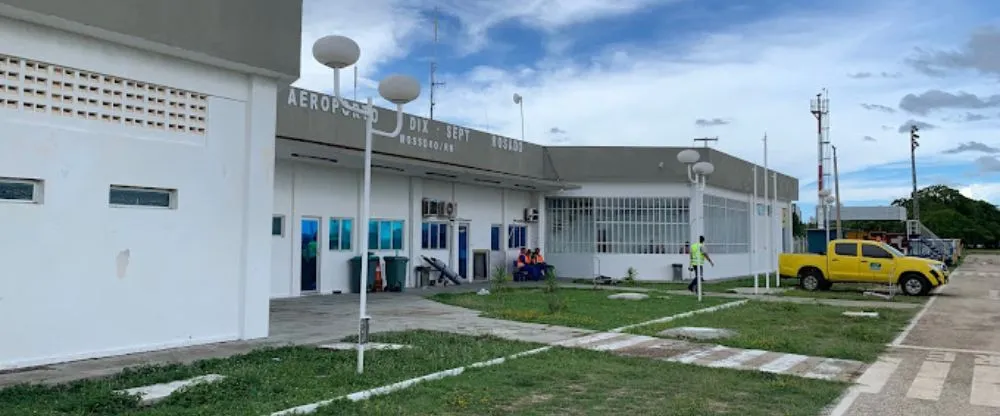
(495, 238)
(434, 236)
(340, 234)
(278, 225)
(846, 249)
(874, 252)
(143, 197)
(17, 190)
(517, 236)
(386, 234)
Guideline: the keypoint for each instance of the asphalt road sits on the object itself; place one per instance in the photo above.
(948, 362)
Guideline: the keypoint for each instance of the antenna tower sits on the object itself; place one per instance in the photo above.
(706, 140)
(820, 108)
(434, 82)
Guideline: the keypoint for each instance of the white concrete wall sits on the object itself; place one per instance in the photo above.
(308, 189)
(659, 266)
(83, 279)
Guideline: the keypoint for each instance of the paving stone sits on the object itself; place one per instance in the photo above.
(696, 333)
(629, 296)
(343, 346)
(152, 394)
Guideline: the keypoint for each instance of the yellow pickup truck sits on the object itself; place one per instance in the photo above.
(863, 261)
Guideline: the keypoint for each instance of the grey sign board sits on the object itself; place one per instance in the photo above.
(317, 117)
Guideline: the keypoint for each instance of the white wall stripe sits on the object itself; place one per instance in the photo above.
(738, 359)
(929, 382)
(985, 386)
(783, 363)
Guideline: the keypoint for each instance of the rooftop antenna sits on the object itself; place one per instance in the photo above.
(820, 109)
(706, 140)
(434, 82)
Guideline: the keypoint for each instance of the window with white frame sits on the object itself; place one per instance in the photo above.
(434, 236)
(517, 236)
(131, 196)
(341, 232)
(617, 225)
(727, 225)
(20, 190)
(385, 234)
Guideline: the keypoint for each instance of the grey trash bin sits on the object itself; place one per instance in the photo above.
(678, 271)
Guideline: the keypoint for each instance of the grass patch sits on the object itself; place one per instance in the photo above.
(816, 330)
(582, 308)
(581, 382)
(262, 381)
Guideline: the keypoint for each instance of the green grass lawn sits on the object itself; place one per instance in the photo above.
(584, 308)
(816, 330)
(262, 381)
(581, 382)
(845, 291)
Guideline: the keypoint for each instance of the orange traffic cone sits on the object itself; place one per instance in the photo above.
(378, 277)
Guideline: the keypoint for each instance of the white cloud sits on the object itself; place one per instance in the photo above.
(760, 76)
(985, 191)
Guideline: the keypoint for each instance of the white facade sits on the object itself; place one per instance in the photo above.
(653, 244)
(313, 190)
(84, 277)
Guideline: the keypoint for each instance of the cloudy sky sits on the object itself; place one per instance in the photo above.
(662, 72)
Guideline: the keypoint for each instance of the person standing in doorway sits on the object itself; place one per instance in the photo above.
(698, 257)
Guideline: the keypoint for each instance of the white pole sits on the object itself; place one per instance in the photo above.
(366, 200)
(356, 86)
(753, 233)
(772, 228)
(521, 105)
(701, 194)
(767, 213)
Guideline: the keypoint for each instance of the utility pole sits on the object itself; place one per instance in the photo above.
(705, 140)
(913, 171)
(434, 83)
(836, 190)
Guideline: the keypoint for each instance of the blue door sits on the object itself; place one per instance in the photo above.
(463, 251)
(310, 254)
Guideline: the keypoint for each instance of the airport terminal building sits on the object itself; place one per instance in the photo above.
(184, 182)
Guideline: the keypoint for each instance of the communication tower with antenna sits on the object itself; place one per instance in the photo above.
(820, 108)
(434, 84)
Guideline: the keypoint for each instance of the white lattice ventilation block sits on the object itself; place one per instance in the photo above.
(40, 87)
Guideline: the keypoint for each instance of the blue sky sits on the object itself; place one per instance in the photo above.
(643, 72)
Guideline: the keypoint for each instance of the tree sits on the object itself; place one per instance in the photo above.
(949, 214)
(798, 228)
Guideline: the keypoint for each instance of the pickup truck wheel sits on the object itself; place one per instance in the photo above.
(914, 285)
(811, 281)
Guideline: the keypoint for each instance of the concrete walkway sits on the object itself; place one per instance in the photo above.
(948, 361)
(314, 320)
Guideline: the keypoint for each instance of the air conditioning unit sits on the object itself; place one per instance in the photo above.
(531, 214)
(450, 209)
(430, 208)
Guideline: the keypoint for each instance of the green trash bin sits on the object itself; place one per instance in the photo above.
(395, 273)
(356, 272)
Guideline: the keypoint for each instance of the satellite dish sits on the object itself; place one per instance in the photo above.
(517, 98)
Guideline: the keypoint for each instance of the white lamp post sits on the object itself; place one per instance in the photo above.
(825, 198)
(697, 173)
(519, 100)
(339, 52)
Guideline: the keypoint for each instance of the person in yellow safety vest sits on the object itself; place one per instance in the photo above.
(698, 257)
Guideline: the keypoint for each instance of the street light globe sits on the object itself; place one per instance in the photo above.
(704, 168)
(337, 52)
(688, 156)
(399, 89)
(825, 193)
